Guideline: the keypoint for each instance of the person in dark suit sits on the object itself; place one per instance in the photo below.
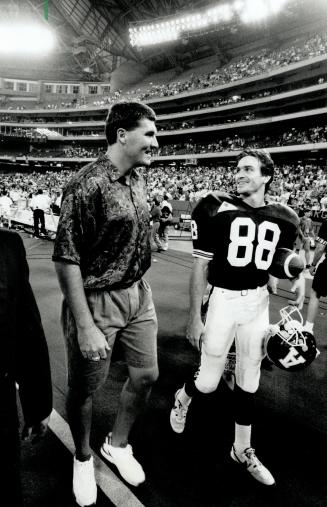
(24, 363)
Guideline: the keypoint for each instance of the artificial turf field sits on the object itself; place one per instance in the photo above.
(192, 469)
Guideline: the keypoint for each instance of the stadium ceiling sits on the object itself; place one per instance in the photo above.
(95, 32)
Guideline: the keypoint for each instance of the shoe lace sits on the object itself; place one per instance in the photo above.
(180, 409)
(252, 458)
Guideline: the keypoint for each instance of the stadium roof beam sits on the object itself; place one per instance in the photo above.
(57, 22)
(118, 19)
(96, 23)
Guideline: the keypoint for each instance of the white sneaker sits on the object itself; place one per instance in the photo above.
(84, 485)
(123, 458)
(178, 415)
(249, 460)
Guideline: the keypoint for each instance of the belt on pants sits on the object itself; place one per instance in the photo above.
(243, 292)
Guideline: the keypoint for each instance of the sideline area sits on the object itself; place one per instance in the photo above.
(193, 469)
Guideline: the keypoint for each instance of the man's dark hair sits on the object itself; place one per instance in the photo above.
(126, 115)
(267, 164)
(165, 209)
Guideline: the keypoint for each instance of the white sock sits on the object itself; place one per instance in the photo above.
(309, 326)
(242, 437)
(183, 397)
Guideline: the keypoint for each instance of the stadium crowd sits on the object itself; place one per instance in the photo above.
(230, 98)
(317, 134)
(240, 68)
(234, 142)
(245, 66)
(301, 185)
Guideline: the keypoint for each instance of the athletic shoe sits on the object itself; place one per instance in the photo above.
(178, 415)
(123, 458)
(84, 485)
(249, 460)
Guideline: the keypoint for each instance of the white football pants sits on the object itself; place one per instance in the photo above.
(243, 315)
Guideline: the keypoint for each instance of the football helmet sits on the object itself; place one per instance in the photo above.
(288, 345)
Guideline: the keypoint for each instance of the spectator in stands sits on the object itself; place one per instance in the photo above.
(40, 203)
(306, 235)
(57, 203)
(14, 194)
(103, 247)
(5, 210)
(165, 202)
(165, 222)
(24, 359)
(323, 203)
(155, 216)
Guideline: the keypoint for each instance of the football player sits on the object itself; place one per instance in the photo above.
(234, 240)
(319, 283)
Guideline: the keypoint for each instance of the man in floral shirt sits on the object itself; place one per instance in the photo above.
(102, 251)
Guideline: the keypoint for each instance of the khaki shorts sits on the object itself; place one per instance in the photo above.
(127, 315)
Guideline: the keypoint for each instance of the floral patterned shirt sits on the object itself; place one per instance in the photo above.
(104, 226)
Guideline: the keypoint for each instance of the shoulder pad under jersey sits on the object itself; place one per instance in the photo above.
(210, 204)
(285, 212)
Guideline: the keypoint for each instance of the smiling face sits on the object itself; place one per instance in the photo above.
(249, 178)
(140, 142)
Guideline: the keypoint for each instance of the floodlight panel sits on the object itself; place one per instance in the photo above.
(25, 39)
(162, 30)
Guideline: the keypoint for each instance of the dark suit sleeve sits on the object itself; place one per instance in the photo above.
(32, 362)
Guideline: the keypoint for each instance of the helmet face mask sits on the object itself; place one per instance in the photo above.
(288, 345)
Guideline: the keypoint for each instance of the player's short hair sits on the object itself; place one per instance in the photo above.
(267, 164)
(126, 115)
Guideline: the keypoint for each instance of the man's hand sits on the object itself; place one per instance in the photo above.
(299, 288)
(36, 432)
(194, 331)
(93, 343)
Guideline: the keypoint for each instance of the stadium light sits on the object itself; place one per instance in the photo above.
(174, 27)
(25, 39)
(254, 10)
(257, 10)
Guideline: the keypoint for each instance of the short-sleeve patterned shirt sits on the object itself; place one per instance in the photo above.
(104, 226)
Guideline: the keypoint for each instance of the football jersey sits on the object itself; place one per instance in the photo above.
(239, 240)
(322, 237)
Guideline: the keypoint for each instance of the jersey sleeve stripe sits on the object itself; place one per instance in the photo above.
(202, 254)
